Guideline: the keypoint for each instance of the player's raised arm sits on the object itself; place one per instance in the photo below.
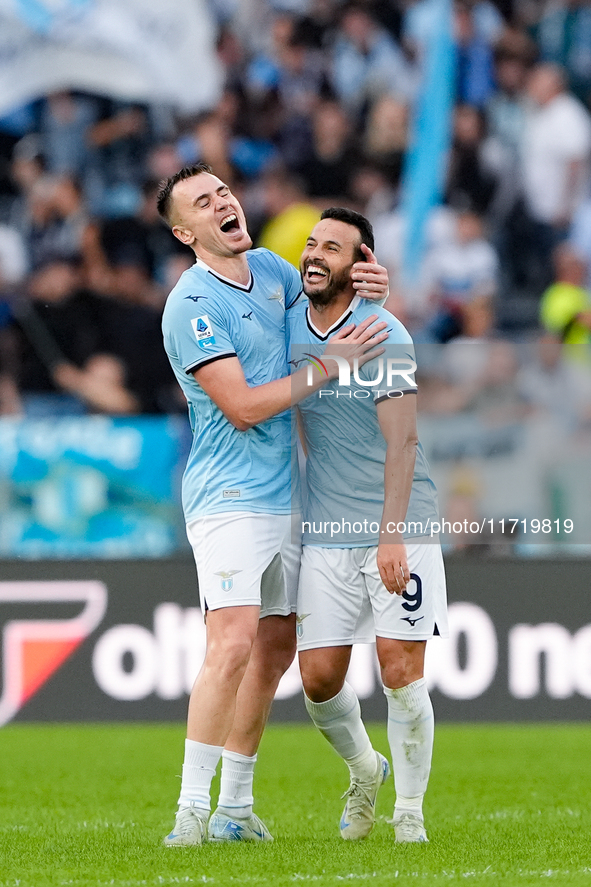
(244, 406)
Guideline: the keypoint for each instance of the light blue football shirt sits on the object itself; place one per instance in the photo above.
(346, 448)
(207, 318)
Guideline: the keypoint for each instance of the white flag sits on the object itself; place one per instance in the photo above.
(135, 50)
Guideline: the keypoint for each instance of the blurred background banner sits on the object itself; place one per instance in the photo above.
(90, 486)
(123, 641)
(140, 50)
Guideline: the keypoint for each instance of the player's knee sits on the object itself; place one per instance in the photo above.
(399, 672)
(320, 687)
(229, 657)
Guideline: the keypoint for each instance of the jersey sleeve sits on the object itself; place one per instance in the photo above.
(197, 335)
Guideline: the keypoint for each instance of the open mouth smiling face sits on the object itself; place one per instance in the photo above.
(315, 273)
(210, 218)
(230, 224)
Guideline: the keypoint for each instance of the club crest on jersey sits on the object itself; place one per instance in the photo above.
(299, 626)
(203, 331)
(277, 296)
(227, 582)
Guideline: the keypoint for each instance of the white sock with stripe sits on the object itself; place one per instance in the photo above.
(236, 798)
(198, 771)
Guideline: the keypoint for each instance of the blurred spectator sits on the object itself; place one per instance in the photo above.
(65, 121)
(80, 351)
(56, 221)
(565, 309)
(463, 503)
(14, 259)
(319, 21)
(555, 156)
(411, 303)
(478, 376)
(14, 127)
(229, 138)
(367, 62)
(420, 17)
(208, 141)
(514, 55)
(231, 52)
(118, 145)
(385, 139)
(143, 238)
(477, 165)
(294, 72)
(556, 149)
(475, 82)
(579, 236)
(57, 333)
(301, 75)
(252, 146)
(162, 161)
(27, 166)
(488, 20)
(372, 190)
(10, 402)
(555, 387)
(129, 320)
(458, 274)
(291, 215)
(328, 170)
(564, 37)
(10, 399)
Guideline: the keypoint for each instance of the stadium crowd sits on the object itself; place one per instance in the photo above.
(316, 110)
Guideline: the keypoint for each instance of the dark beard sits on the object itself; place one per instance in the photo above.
(329, 294)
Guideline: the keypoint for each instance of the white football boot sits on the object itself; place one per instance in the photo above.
(223, 828)
(410, 829)
(360, 810)
(190, 828)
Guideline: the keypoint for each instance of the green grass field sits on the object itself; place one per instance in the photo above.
(86, 805)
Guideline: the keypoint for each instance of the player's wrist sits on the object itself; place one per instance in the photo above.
(390, 535)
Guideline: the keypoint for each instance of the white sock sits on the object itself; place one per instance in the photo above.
(198, 771)
(236, 798)
(339, 721)
(410, 734)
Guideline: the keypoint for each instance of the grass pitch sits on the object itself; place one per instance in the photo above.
(89, 805)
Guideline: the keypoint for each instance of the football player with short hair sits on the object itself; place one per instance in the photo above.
(370, 568)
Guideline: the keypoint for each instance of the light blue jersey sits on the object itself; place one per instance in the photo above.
(346, 448)
(208, 318)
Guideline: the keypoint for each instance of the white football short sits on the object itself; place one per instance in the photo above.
(246, 558)
(342, 599)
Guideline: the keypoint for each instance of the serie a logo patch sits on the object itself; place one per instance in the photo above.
(203, 331)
